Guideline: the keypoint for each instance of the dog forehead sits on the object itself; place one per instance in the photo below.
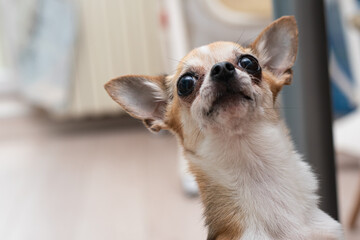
(210, 54)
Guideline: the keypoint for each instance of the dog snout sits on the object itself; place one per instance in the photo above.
(222, 71)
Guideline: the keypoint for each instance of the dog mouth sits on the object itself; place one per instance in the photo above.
(227, 98)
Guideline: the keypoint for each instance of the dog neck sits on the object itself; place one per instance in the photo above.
(249, 180)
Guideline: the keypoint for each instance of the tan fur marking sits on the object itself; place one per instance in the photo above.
(173, 119)
(221, 216)
(275, 87)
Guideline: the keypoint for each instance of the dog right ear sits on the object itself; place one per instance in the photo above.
(143, 97)
(276, 47)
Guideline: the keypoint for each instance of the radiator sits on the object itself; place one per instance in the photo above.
(116, 37)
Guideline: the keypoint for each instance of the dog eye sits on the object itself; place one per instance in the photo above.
(186, 85)
(249, 63)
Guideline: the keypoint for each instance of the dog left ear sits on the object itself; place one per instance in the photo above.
(276, 47)
(143, 97)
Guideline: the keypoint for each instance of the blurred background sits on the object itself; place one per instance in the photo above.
(73, 165)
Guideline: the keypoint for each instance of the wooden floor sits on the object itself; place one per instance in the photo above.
(100, 180)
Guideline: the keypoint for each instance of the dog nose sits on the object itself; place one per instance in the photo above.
(222, 71)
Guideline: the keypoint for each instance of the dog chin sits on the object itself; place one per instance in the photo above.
(228, 118)
(228, 112)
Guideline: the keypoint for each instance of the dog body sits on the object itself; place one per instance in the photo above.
(222, 105)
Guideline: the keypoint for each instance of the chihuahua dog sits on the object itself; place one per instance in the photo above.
(221, 103)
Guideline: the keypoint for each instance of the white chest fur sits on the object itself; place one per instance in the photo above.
(268, 180)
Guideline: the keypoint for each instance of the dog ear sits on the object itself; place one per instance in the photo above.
(276, 47)
(143, 97)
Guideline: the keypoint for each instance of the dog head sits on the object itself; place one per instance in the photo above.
(221, 87)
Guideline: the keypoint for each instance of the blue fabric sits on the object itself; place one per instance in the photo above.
(342, 103)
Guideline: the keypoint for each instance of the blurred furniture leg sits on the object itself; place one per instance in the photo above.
(187, 179)
(355, 21)
(356, 208)
(346, 138)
